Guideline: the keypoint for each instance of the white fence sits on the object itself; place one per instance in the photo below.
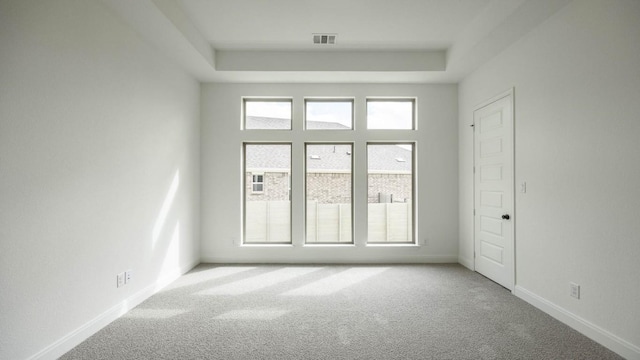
(390, 222)
(328, 223)
(270, 221)
(267, 221)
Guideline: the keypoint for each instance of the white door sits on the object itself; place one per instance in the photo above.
(493, 190)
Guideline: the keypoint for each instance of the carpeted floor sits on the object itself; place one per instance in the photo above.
(336, 312)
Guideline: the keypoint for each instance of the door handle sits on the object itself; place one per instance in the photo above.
(506, 216)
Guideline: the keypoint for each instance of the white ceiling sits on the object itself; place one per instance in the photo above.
(388, 41)
(360, 24)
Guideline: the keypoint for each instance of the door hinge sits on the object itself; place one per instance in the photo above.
(474, 212)
(474, 169)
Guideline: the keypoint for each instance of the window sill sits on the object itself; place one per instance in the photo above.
(330, 245)
(267, 245)
(410, 245)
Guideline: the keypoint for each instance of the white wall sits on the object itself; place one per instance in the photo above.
(94, 126)
(221, 173)
(577, 92)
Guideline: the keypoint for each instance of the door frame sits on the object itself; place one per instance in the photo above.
(510, 92)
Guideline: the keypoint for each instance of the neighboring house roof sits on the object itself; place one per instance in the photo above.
(265, 156)
(269, 123)
(331, 157)
(258, 122)
(322, 125)
(389, 158)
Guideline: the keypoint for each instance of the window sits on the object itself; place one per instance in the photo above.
(267, 114)
(390, 192)
(267, 204)
(257, 183)
(329, 193)
(324, 202)
(328, 114)
(390, 114)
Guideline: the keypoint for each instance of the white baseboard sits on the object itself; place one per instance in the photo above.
(466, 262)
(431, 259)
(74, 338)
(614, 343)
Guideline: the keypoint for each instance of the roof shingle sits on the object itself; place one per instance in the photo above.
(380, 157)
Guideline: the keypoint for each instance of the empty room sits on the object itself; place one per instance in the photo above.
(339, 179)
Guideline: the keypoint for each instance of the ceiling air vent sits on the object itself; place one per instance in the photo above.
(324, 39)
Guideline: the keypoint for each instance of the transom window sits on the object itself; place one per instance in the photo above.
(267, 114)
(391, 114)
(328, 114)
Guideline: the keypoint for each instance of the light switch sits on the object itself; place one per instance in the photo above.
(523, 187)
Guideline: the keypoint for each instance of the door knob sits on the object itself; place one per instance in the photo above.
(505, 216)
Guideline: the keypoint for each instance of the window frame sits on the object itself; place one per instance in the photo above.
(298, 139)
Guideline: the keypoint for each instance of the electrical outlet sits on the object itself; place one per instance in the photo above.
(574, 290)
(120, 280)
(127, 276)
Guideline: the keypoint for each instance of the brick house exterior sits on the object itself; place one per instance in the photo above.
(327, 188)
(276, 186)
(398, 185)
(328, 170)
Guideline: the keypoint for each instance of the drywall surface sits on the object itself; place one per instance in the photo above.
(577, 131)
(99, 163)
(436, 187)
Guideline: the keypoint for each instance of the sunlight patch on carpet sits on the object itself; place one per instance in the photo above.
(259, 282)
(207, 275)
(336, 282)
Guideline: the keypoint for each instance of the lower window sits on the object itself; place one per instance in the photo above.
(267, 199)
(390, 192)
(329, 193)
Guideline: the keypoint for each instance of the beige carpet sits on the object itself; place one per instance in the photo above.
(336, 312)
